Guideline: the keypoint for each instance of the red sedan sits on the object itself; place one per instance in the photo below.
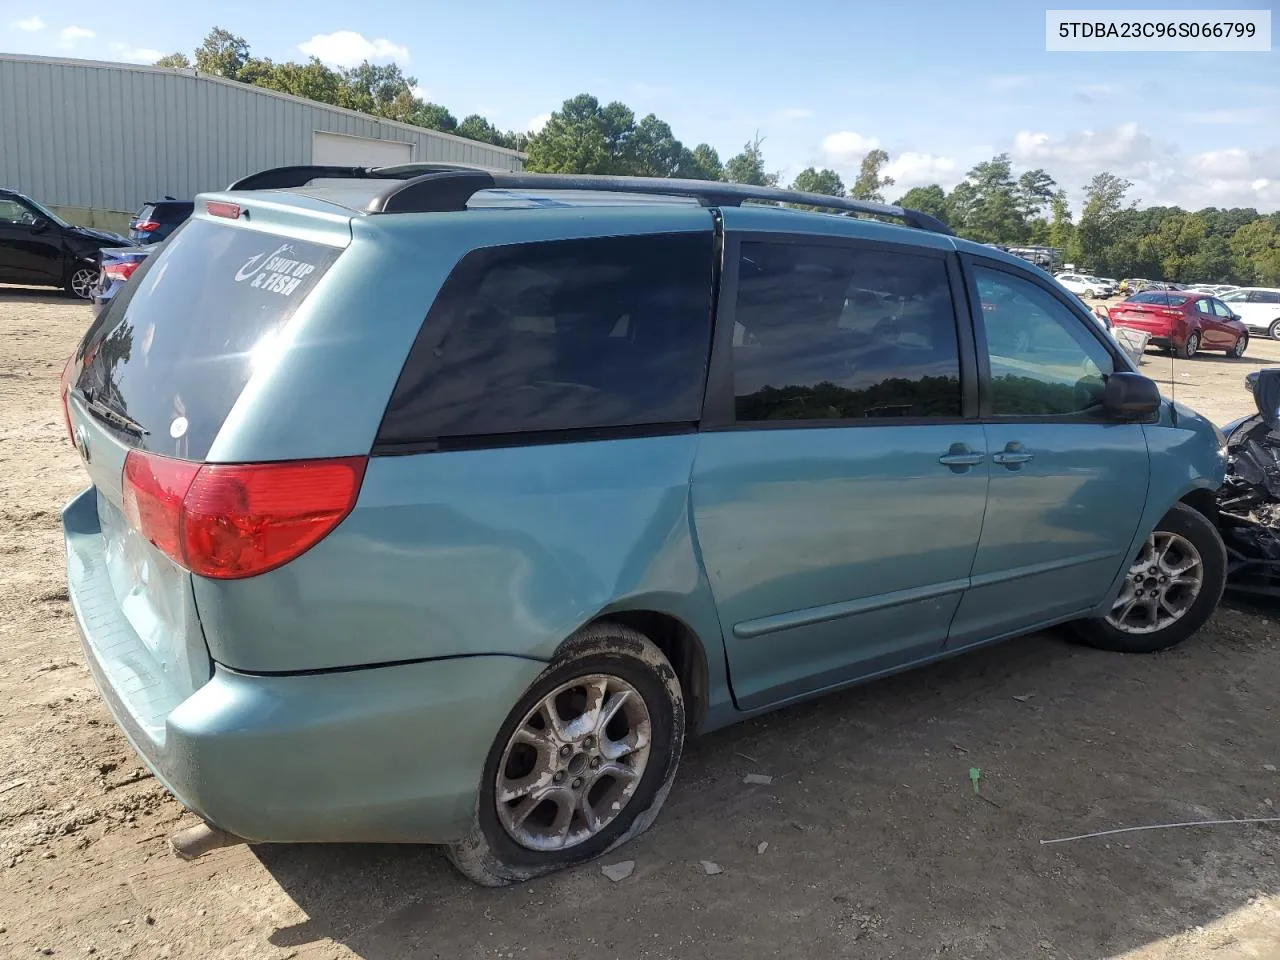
(1184, 322)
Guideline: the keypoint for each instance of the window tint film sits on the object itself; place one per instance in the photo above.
(568, 334)
(178, 344)
(829, 333)
(1044, 361)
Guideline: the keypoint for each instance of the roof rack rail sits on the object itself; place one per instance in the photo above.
(437, 188)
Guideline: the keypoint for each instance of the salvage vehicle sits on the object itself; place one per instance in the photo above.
(116, 265)
(1183, 322)
(1248, 511)
(438, 505)
(39, 248)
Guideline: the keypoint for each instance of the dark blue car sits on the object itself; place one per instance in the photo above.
(158, 218)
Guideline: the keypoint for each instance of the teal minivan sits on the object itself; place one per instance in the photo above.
(436, 505)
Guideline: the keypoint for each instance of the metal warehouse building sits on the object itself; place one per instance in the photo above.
(97, 140)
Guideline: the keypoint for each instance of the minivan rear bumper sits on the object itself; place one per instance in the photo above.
(381, 754)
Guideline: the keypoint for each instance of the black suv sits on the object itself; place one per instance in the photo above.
(40, 248)
(159, 218)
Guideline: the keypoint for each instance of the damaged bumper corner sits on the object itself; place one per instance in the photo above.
(1249, 509)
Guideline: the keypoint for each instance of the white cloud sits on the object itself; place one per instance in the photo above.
(135, 54)
(422, 93)
(844, 148)
(537, 123)
(912, 169)
(1160, 172)
(346, 48)
(68, 36)
(30, 24)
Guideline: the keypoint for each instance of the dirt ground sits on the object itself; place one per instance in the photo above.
(869, 842)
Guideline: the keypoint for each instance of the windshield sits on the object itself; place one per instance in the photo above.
(1238, 297)
(45, 212)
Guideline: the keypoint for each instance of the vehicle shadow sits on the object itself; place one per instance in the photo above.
(9, 294)
(871, 831)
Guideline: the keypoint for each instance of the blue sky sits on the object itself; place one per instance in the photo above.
(940, 86)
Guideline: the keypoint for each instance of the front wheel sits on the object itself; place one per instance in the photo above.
(1170, 590)
(80, 283)
(583, 762)
(1274, 331)
(1088, 295)
(1191, 347)
(1240, 346)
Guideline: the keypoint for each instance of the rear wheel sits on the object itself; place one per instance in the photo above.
(1240, 346)
(1191, 347)
(583, 762)
(1170, 590)
(80, 283)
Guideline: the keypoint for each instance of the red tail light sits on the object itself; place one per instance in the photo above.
(230, 521)
(121, 271)
(146, 226)
(64, 387)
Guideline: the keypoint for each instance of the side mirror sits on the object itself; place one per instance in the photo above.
(1236, 316)
(1266, 396)
(1131, 396)
(39, 225)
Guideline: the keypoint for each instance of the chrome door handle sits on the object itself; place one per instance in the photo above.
(960, 458)
(1013, 456)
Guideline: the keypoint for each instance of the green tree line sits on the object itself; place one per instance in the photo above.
(1111, 237)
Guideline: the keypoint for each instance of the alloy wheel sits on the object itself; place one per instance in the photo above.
(1161, 585)
(1192, 346)
(1241, 344)
(82, 282)
(573, 763)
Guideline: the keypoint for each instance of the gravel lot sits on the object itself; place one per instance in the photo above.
(876, 843)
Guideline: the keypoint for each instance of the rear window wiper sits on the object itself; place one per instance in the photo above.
(114, 417)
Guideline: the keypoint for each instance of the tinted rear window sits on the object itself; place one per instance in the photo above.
(562, 335)
(1159, 297)
(176, 347)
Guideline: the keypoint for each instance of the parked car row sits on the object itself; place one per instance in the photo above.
(38, 248)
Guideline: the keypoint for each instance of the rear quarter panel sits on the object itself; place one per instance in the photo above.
(499, 551)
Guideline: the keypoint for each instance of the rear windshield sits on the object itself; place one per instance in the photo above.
(1159, 296)
(166, 211)
(176, 347)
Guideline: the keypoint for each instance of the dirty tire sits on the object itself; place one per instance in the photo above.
(488, 854)
(1195, 527)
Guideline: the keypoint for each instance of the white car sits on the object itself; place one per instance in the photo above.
(1258, 307)
(1082, 285)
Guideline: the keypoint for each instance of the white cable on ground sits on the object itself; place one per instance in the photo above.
(1163, 826)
